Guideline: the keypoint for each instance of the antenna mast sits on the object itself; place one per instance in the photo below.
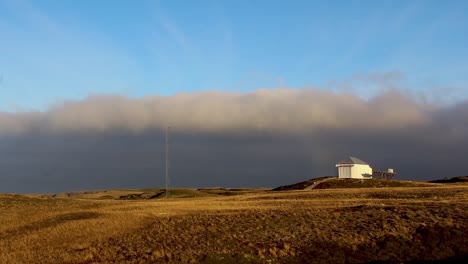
(168, 130)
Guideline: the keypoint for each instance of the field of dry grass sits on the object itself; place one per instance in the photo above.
(329, 226)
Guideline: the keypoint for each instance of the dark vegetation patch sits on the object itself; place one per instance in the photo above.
(15, 203)
(228, 191)
(452, 180)
(187, 193)
(423, 194)
(106, 197)
(140, 196)
(330, 183)
(48, 223)
(155, 193)
(300, 185)
(173, 193)
(365, 183)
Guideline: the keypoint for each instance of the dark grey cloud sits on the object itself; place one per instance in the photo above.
(264, 138)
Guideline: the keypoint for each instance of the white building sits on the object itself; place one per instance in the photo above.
(353, 168)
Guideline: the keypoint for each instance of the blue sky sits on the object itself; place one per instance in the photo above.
(57, 50)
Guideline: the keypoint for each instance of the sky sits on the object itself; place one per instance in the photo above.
(56, 50)
(259, 93)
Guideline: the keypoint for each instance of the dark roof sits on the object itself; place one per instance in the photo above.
(352, 160)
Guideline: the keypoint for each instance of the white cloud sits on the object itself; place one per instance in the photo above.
(276, 110)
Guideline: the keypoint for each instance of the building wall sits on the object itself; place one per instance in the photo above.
(344, 172)
(355, 171)
(358, 170)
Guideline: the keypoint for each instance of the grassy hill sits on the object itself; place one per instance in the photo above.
(373, 183)
(452, 180)
(301, 185)
(385, 225)
(331, 183)
(154, 193)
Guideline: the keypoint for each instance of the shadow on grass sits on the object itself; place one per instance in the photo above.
(429, 244)
(47, 223)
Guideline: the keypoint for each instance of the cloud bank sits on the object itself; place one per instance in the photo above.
(263, 138)
(277, 110)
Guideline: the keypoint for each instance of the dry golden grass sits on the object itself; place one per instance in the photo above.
(342, 226)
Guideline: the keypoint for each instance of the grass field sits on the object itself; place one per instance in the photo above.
(318, 226)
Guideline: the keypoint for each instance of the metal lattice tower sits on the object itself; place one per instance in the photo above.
(168, 130)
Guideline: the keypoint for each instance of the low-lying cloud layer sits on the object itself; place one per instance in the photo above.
(263, 138)
(279, 110)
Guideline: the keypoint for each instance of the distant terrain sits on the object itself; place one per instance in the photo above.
(315, 183)
(220, 225)
(154, 193)
(452, 180)
(335, 183)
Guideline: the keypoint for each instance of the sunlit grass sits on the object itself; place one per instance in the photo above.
(354, 225)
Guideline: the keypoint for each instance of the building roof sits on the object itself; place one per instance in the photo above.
(352, 160)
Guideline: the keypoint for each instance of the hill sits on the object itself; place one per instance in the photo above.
(301, 185)
(335, 183)
(385, 225)
(153, 193)
(452, 180)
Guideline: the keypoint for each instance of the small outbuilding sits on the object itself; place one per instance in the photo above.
(353, 168)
